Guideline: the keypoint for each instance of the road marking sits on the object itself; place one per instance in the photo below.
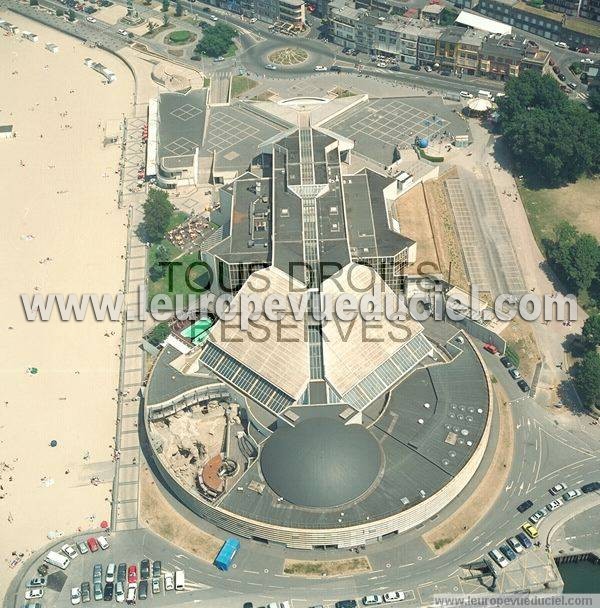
(250, 572)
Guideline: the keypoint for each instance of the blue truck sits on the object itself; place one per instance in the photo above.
(227, 553)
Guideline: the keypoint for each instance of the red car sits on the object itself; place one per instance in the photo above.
(584, 49)
(490, 348)
(132, 574)
(92, 543)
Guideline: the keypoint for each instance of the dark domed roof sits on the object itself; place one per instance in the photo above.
(321, 462)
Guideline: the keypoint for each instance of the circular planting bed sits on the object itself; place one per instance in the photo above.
(288, 56)
(180, 37)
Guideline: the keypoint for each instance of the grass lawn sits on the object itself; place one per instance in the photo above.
(179, 283)
(578, 204)
(241, 84)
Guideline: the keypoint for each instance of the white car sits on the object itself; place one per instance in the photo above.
(124, 33)
(514, 544)
(253, 20)
(169, 585)
(69, 551)
(270, 66)
(562, 45)
(555, 504)
(75, 596)
(428, 68)
(110, 573)
(213, 18)
(37, 582)
(103, 543)
(320, 68)
(119, 592)
(83, 548)
(587, 60)
(466, 94)
(538, 515)
(372, 600)
(557, 489)
(381, 64)
(90, 19)
(571, 494)
(34, 594)
(393, 596)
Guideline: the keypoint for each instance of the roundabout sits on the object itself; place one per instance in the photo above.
(301, 59)
(289, 56)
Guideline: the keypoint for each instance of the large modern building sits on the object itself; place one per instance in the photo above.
(341, 430)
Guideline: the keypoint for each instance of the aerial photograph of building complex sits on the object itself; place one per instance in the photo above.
(302, 303)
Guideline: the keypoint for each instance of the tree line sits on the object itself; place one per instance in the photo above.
(553, 140)
(575, 258)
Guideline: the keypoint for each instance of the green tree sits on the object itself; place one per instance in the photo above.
(159, 333)
(594, 101)
(72, 15)
(178, 9)
(216, 40)
(151, 27)
(158, 269)
(34, 3)
(60, 12)
(590, 334)
(585, 258)
(165, 20)
(587, 379)
(157, 215)
(165, 6)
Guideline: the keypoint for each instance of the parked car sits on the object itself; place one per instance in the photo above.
(92, 543)
(213, 18)
(103, 543)
(120, 591)
(75, 596)
(37, 582)
(98, 573)
(583, 49)
(69, 551)
(498, 557)
(506, 362)
(145, 569)
(530, 529)
(514, 544)
(156, 568)
(132, 574)
(561, 77)
(98, 591)
(555, 504)
(86, 594)
(523, 385)
(320, 68)
(508, 552)
(468, 95)
(558, 488)
(83, 548)
(562, 45)
(540, 514)
(34, 593)
(42, 569)
(524, 506)
(169, 584)
(346, 604)
(218, 59)
(90, 19)
(335, 68)
(110, 573)
(393, 596)
(122, 572)
(270, 66)
(515, 373)
(372, 600)
(587, 60)
(524, 540)
(143, 590)
(591, 487)
(155, 585)
(109, 590)
(490, 348)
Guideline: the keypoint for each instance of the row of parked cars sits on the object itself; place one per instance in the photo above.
(515, 374)
(369, 600)
(515, 545)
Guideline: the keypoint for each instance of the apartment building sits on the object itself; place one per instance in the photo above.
(460, 49)
(575, 31)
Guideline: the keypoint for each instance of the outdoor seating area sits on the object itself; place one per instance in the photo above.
(189, 233)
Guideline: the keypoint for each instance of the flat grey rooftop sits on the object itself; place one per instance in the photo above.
(377, 126)
(181, 129)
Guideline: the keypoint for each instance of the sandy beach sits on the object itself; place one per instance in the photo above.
(61, 232)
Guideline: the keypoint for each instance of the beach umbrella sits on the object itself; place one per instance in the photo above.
(53, 443)
(104, 525)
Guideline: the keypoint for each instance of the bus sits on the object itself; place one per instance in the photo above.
(227, 553)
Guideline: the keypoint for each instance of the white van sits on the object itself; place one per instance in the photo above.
(484, 94)
(179, 580)
(56, 559)
(131, 591)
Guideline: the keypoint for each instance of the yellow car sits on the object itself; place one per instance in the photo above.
(530, 529)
